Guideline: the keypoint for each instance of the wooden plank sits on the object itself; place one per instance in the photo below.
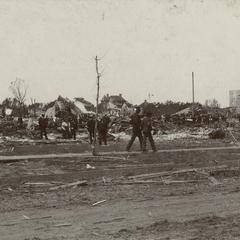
(99, 202)
(162, 174)
(78, 183)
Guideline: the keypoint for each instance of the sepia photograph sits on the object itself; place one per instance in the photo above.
(119, 120)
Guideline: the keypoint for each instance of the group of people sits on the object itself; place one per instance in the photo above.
(102, 128)
(141, 128)
(69, 127)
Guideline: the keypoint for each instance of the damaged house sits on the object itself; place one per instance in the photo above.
(115, 105)
(84, 105)
(61, 108)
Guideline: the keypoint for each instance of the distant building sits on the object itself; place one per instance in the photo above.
(234, 98)
(115, 105)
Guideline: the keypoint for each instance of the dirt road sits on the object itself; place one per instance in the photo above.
(121, 217)
(201, 204)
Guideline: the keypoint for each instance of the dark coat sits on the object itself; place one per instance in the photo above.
(102, 127)
(136, 122)
(91, 125)
(73, 123)
(146, 125)
(43, 122)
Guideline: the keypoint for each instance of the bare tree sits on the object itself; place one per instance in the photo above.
(33, 105)
(19, 91)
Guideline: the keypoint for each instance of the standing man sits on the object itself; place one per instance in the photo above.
(147, 132)
(91, 128)
(65, 129)
(102, 130)
(42, 121)
(105, 121)
(136, 131)
(73, 126)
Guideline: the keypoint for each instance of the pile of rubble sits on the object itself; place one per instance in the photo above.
(195, 133)
(120, 130)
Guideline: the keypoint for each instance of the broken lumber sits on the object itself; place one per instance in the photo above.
(111, 220)
(8, 224)
(162, 174)
(99, 202)
(37, 184)
(213, 180)
(36, 218)
(231, 134)
(138, 182)
(108, 157)
(179, 181)
(78, 183)
(63, 225)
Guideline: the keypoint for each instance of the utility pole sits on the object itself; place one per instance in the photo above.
(193, 94)
(97, 100)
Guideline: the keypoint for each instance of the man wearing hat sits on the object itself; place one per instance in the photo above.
(43, 122)
(146, 127)
(136, 131)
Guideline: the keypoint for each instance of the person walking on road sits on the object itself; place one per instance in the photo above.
(147, 132)
(136, 131)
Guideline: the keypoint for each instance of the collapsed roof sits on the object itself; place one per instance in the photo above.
(63, 107)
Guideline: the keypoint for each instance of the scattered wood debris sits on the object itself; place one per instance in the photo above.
(26, 217)
(213, 180)
(88, 166)
(179, 181)
(63, 225)
(111, 220)
(139, 179)
(137, 182)
(8, 224)
(97, 234)
(36, 218)
(37, 183)
(99, 202)
(159, 174)
(10, 189)
(162, 174)
(78, 183)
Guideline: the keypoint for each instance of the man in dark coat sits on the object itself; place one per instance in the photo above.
(43, 122)
(136, 131)
(73, 126)
(104, 127)
(102, 132)
(91, 128)
(147, 132)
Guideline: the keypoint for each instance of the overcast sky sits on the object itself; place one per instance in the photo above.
(145, 46)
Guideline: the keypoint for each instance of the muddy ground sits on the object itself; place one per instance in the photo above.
(195, 195)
